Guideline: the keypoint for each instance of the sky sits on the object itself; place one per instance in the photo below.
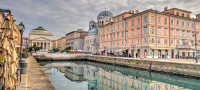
(63, 16)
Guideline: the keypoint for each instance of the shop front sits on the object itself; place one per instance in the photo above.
(158, 52)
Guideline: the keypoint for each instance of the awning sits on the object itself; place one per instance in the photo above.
(101, 49)
(159, 48)
(118, 50)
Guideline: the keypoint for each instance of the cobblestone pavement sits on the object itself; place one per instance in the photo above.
(35, 79)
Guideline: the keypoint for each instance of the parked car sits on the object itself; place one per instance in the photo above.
(42, 51)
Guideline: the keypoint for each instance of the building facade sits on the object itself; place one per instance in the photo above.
(55, 44)
(79, 43)
(91, 42)
(151, 33)
(61, 43)
(25, 43)
(70, 37)
(41, 38)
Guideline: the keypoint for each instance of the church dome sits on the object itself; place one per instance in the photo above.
(92, 21)
(93, 31)
(105, 13)
(40, 28)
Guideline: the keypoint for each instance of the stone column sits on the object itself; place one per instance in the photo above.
(42, 45)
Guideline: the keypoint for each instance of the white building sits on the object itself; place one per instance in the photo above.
(91, 42)
(41, 38)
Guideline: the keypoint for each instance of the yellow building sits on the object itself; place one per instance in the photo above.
(55, 44)
(61, 43)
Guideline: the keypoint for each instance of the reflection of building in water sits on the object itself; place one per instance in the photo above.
(74, 73)
(61, 69)
(109, 80)
(47, 71)
(91, 74)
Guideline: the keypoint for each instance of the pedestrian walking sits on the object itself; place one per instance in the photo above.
(163, 56)
(136, 55)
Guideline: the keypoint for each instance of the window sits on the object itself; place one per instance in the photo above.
(152, 19)
(145, 19)
(152, 30)
(117, 79)
(118, 19)
(121, 80)
(126, 81)
(145, 30)
(172, 32)
(107, 37)
(197, 35)
(101, 38)
(132, 83)
(138, 21)
(145, 40)
(152, 40)
(117, 43)
(114, 20)
(113, 43)
(132, 23)
(114, 35)
(114, 28)
(113, 85)
(107, 29)
(159, 87)
(110, 43)
(122, 25)
(166, 86)
(132, 32)
(177, 33)
(118, 35)
(122, 42)
(183, 24)
(122, 33)
(172, 42)
(122, 17)
(126, 33)
(132, 42)
(103, 30)
(177, 23)
(188, 25)
(138, 85)
(159, 20)
(183, 34)
(188, 34)
(192, 34)
(183, 42)
(126, 42)
(159, 30)
(138, 31)
(113, 77)
(126, 24)
(182, 14)
(188, 15)
(177, 42)
(192, 26)
(172, 22)
(165, 21)
(109, 19)
(166, 41)
(165, 31)
(159, 41)
(138, 41)
(110, 28)
(118, 27)
(177, 13)
(197, 26)
(110, 36)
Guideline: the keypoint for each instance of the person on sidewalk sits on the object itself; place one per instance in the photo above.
(163, 56)
(136, 55)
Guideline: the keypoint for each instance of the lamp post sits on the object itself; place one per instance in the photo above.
(21, 29)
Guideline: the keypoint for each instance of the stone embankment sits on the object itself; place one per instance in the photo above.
(182, 68)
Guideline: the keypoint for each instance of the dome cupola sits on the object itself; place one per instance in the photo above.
(93, 31)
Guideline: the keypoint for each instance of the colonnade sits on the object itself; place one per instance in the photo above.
(44, 45)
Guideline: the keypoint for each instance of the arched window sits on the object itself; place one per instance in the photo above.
(188, 15)
(177, 13)
(182, 14)
(102, 22)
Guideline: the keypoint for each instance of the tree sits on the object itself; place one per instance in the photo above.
(55, 49)
(67, 48)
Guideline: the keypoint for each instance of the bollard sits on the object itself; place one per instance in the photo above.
(24, 66)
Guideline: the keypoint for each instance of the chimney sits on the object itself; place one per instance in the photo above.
(137, 11)
(133, 12)
(198, 16)
(165, 9)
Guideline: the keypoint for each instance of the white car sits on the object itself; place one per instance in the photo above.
(42, 51)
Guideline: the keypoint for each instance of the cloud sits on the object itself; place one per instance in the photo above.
(63, 16)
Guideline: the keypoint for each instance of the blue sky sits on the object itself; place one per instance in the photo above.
(63, 16)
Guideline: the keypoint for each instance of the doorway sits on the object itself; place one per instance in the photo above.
(172, 53)
(166, 53)
(138, 52)
(145, 53)
(132, 53)
(152, 53)
(159, 53)
(183, 54)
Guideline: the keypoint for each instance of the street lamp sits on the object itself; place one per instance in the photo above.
(21, 29)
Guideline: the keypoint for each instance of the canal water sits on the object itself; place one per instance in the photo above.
(78, 75)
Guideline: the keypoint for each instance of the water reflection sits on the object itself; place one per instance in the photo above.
(108, 77)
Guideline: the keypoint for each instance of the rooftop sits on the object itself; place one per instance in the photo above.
(40, 28)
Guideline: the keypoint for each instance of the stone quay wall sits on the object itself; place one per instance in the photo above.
(172, 68)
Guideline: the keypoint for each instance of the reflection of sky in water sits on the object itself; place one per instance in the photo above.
(60, 82)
